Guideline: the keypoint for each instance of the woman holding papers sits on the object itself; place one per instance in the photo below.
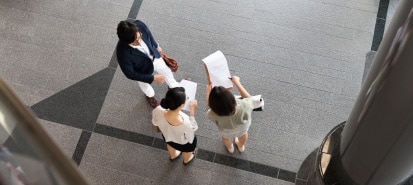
(231, 115)
(178, 129)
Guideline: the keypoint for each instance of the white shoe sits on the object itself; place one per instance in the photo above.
(241, 149)
(231, 150)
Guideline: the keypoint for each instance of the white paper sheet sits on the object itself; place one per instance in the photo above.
(190, 91)
(218, 70)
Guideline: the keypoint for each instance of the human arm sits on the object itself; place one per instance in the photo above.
(194, 124)
(236, 81)
(210, 115)
(207, 91)
(189, 130)
(155, 117)
(159, 78)
(192, 106)
(128, 62)
(159, 49)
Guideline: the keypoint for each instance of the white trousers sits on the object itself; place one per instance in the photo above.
(161, 68)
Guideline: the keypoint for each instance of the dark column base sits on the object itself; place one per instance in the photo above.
(326, 164)
(324, 167)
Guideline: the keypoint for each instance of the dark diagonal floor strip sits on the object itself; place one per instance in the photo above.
(201, 154)
(380, 24)
(81, 146)
(78, 105)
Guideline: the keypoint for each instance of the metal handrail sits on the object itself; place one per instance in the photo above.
(21, 126)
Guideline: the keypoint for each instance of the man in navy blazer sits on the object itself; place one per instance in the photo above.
(139, 56)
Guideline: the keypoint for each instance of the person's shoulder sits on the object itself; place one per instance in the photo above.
(183, 114)
(122, 49)
(246, 102)
(248, 99)
(158, 110)
(140, 23)
(211, 114)
(122, 46)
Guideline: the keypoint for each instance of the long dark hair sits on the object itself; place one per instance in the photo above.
(221, 101)
(174, 98)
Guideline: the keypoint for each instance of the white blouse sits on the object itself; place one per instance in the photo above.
(143, 48)
(181, 134)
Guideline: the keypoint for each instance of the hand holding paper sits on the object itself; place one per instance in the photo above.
(190, 91)
(192, 106)
(217, 70)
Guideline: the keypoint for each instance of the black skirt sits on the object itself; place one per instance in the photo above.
(188, 147)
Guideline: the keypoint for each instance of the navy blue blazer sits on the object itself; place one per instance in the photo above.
(135, 64)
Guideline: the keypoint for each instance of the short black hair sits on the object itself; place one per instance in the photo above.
(127, 31)
(174, 98)
(221, 101)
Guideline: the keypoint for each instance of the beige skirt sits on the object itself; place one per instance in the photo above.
(235, 132)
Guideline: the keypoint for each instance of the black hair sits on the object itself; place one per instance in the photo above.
(127, 31)
(221, 101)
(174, 98)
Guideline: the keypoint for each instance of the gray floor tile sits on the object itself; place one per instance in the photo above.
(227, 175)
(141, 160)
(306, 64)
(97, 175)
(65, 137)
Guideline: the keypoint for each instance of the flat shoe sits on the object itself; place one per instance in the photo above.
(192, 159)
(177, 156)
(231, 150)
(241, 149)
(152, 101)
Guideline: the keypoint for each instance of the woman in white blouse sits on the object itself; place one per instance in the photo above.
(178, 129)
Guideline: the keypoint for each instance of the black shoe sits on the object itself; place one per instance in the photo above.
(257, 109)
(172, 160)
(193, 158)
(152, 101)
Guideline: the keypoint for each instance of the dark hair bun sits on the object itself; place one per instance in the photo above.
(174, 98)
(164, 103)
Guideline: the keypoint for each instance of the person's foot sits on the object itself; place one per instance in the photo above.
(231, 149)
(177, 154)
(242, 148)
(192, 158)
(152, 101)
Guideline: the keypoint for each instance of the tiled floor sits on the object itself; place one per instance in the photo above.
(305, 57)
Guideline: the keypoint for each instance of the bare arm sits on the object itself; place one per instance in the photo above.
(159, 49)
(192, 106)
(244, 93)
(207, 91)
(158, 78)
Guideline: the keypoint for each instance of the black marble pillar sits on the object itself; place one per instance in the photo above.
(374, 146)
